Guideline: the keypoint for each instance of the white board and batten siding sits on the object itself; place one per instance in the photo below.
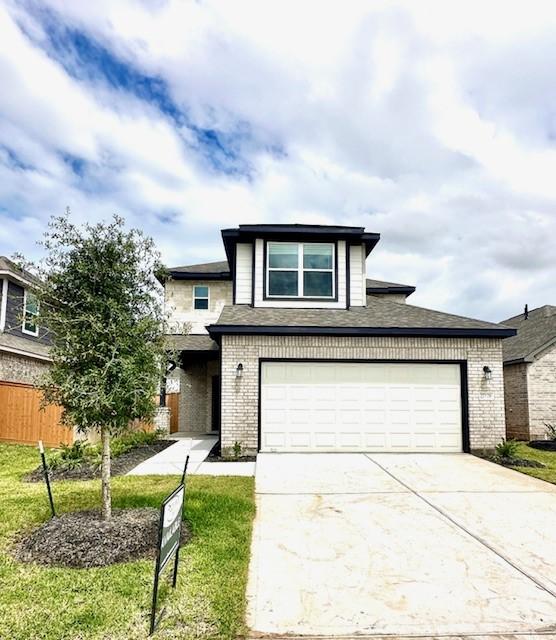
(360, 406)
(357, 275)
(244, 271)
(300, 304)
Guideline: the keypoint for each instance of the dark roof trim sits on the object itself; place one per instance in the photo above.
(517, 361)
(216, 330)
(309, 232)
(200, 275)
(402, 289)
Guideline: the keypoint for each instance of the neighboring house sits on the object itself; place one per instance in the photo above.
(24, 357)
(23, 343)
(291, 348)
(530, 374)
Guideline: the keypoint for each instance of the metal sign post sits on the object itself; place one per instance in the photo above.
(169, 534)
(46, 478)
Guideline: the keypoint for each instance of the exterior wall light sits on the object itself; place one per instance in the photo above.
(239, 370)
(488, 373)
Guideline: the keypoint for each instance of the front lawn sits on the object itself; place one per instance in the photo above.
(548, 458)
(113, 602)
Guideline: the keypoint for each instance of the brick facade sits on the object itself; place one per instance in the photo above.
(240, 395)
(195, 414)
(16, 368)
(541, 384)
(516, 401)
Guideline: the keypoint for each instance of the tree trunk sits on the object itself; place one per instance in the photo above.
(106, 494)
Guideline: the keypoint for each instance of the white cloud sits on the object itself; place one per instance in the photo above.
(429, 122)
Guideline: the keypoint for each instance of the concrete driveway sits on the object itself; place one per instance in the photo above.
(406, 544)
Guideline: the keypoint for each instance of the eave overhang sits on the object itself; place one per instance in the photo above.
(216, 331)
(297, 232)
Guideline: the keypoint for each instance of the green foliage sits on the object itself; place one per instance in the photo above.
(54, 603)
(68, 456)
(237, 449)
(507, 448)
(550, 430)
(100, 300)
(83, 453)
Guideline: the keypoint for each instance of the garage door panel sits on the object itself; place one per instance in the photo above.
(326, 406)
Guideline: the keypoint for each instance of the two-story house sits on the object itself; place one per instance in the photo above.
(290, 347)
(23, 343)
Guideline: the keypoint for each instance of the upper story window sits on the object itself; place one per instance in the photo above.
(300, 270)
(200, 297)
(30, 313)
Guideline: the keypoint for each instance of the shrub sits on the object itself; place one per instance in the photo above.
(550, 431)
(237, 449)
(507, 449)
(81, 452)
(69, 456)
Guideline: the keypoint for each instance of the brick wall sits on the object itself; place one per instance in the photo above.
(195, 413)
(178, 304)
(15, 368)
(516, 401)
(240, 396)
(542, 393)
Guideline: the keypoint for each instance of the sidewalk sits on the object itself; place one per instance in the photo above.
(172, 460)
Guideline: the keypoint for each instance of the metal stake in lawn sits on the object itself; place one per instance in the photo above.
(47, 479)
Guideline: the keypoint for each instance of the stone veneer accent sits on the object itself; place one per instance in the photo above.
(516, 401)
(16, 368)
(240, 396)
(161, 419)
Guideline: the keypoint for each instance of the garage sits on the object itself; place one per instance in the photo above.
(360, 406)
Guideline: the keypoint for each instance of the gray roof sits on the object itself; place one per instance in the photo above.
(381, 316)
(190, 342)
(16, 271)
(9, 342)
(375, 286)
(538, 331)
(205, 267)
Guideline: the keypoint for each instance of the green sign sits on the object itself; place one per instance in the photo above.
(171, 514)
(169, 533)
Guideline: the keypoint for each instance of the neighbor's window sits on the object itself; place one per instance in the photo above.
(300, 270)
(30, 314)
(201, 297)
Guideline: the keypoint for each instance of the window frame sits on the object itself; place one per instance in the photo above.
(196, 297)
(300, 270)
(35, 315)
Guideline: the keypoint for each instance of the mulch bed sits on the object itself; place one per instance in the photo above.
(544, 445)
(119, 466)
(82, 539)
(216, 458)
(518, 462)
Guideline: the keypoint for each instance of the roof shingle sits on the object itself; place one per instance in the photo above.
(380, 314)
(532, 334)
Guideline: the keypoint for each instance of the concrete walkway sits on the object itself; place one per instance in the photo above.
(401, 544)
(171, 460)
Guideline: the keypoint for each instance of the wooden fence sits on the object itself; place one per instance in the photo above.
(22, 420)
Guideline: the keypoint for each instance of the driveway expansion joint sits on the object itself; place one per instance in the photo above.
(476, 537)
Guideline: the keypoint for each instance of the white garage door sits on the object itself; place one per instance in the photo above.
(355, 406)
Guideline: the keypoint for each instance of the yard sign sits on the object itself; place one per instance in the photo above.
(169, 533)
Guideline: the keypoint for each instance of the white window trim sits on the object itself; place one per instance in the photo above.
(300, 269)
(207, 297)
(23, 329)
(3, 303)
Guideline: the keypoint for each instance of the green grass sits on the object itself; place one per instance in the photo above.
(546, 457)
(113, 602)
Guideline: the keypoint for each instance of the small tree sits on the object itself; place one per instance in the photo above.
(99, 299)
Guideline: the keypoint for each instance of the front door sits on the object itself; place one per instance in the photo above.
(216, 403)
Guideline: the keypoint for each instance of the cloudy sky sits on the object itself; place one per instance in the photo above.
(433, 123)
